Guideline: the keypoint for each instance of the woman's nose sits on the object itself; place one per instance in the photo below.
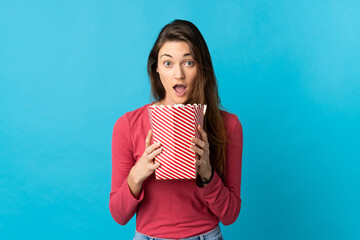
(179, 72)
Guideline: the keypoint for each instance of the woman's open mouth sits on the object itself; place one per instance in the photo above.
(180, 89)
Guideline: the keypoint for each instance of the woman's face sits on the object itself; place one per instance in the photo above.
(177, 70)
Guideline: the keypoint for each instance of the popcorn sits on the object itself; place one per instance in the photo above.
(173, 127)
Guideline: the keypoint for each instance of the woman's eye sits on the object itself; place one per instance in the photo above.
(167, 64)
(189, 63)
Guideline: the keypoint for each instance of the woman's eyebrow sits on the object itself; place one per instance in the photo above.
(168, 55)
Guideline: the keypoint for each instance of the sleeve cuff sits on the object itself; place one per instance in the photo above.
(130, 197)
(211, 187)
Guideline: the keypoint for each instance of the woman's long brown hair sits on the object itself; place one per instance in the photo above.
(205, 90)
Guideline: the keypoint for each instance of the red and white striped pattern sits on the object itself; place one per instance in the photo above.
(174, 126)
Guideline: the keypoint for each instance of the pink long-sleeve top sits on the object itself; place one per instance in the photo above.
(172, 208)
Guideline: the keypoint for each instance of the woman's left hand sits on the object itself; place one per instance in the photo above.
(202, 149)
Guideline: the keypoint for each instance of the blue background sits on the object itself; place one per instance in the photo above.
(290, 70)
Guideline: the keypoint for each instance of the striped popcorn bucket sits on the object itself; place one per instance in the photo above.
(173, 127)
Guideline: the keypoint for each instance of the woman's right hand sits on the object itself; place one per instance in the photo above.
(145, 166)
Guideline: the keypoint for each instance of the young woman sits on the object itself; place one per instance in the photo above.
(181, 71)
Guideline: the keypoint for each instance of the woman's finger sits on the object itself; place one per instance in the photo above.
(198, 142)
(152, 148)
(148, 139)
(197, 150)
(153, 154)
(203, 133)
(154, 166)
